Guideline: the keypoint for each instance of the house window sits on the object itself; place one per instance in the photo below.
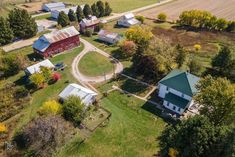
(167, 88)
(179, 109)
(167, 103)
(174, 107)
(182, 95)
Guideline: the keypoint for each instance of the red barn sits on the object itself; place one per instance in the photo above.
(57, 41)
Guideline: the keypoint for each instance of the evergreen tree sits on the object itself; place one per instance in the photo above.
(6, 34)
(72, 15)
(181, 57)
(95, 10)
(79, 13)
(63, 19)
(22, 24)
(100, 6)
(87, 11)
(224, 62)
(108, 9)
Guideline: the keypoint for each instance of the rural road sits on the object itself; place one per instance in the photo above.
(86, 80)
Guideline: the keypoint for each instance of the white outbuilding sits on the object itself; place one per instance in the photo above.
(109, 37)
(53, 6)
(86, 95)
(128, 20)
(55, 13)
(36, 67)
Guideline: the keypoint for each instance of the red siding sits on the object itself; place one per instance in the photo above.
(60, 46)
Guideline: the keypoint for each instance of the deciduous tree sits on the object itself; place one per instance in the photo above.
(50, 107)
(140, 18)
(195, 67)
(37, 79)
(195, 137)
(162, 17)
(128, 48)
(217, 100)
(73, 109)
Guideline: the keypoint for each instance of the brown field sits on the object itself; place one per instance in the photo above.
(220, 8)
(32, 7)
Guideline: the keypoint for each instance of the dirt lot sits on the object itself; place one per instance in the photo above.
(220, 8)
(32, 7)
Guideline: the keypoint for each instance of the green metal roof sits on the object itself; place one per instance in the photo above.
(181, 81)
(176, 100)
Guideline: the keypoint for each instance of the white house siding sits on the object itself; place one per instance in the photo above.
(162, 91)
(171, 106)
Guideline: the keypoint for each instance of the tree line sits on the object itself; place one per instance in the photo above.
(98, 9)
(18, 24)
(205, 20)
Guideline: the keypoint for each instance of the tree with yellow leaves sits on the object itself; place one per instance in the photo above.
(173, 152)
(3, 128)
(141, 36)
(50, 107)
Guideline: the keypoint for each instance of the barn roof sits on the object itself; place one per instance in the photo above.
(83, 93)
(45, 40)
(36, 67)
(90, 21)
(108, 34)
(54, 5)
(129, 16)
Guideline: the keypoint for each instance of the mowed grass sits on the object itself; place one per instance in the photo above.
(95, 64)
(51, 91)
(118, 6)
(131, 132)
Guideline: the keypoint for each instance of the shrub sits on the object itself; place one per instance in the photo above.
(73, 109)
(99, 27)
(128, 48)
(9, 65)
(21, 92)
(88, 32)
(140, 18)
(50, 107)
(231, 26)
(3, 128)
(162, 17)
(195, 67)
(37, 79)
(56, 77)
(46, 72)
(197, 47)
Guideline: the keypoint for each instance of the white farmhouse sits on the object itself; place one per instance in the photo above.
(177, 90)
(109, 37)
(86, 95)
(128, 20)
(53, 6)
(36, 67)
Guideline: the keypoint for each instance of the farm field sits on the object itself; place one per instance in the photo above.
(220, 8)
(118, 6)
(131, 131)
(94, 64)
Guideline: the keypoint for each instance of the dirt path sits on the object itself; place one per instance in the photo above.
(86, 80)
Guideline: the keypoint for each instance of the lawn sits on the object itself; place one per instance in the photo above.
(118, 6)
(131, 131)
(95, 64)
(51, 91)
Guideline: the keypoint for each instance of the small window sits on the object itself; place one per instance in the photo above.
(182, 95)
(174, 107)
(167, 103)
(179, 109)
(167, 88)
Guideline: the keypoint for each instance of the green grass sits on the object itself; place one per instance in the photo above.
(95, 64)
(47, 16)
(131, 131)
(118, 6)
(51, 91)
